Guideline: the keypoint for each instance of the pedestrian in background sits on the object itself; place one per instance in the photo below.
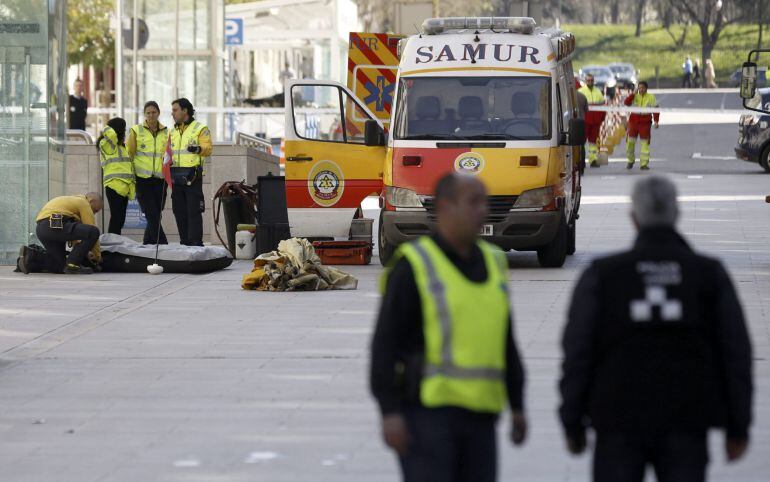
(191, 145)
(593, 119)
(444, 360)
(696, 74)
(582, 112)
(78, 106)
(639, 124)
(709, 75)
(117, 172)
(656, 352)
(146, 146)
(687, 73)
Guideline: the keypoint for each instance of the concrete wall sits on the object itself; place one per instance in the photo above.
(82, 173)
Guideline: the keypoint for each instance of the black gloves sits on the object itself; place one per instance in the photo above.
(194, 149)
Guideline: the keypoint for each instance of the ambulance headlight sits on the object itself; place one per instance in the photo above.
(541, 197)
(402, 198)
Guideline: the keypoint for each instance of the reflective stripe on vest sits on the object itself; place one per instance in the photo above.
(464, 351)
(148, 158)
(180, 141)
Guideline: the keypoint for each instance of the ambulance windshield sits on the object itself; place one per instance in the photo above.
(476, 108)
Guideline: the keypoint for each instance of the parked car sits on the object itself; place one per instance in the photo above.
(625, 74)
(754, 132)
(735, 78)
(603, 78)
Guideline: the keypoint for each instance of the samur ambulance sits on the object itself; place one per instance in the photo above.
(488, 97)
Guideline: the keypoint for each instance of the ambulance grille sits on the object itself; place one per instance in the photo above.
(499, 206)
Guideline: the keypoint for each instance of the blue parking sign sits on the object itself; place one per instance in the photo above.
(233, 31)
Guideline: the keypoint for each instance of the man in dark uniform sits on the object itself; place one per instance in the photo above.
(78, 105)
(656, 352)
(444, 359)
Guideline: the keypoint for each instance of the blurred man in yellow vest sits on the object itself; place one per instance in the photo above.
(146, 145)
(593, 119)
(64, 219)
(191, 145)
(639, 126)
(444, 361)
(117, 172)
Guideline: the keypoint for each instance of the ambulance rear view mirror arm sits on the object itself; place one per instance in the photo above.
(374, 135)
(576, 133)
(749, 81)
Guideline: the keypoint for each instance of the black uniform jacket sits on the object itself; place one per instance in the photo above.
(656, 340)
(398, 344)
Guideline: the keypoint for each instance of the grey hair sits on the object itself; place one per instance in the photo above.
(654, 202)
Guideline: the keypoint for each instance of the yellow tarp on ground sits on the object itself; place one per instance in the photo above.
(295, 267)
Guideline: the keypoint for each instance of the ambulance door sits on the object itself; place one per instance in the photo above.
(329, 169)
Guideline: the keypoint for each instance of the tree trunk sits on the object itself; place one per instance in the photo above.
(615, 11)
(639, 16)
(706, 44)
(760, 18)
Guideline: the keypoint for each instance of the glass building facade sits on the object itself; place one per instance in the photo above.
(32, 100)
(179, 53)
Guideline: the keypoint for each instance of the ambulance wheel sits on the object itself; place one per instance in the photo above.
(553, 254)
(571, 238)
(386, 249)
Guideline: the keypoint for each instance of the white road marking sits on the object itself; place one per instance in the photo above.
(698, 155)
(682, 199)
(624, 160)
(694, 177)
(259, 457)
(187, 463)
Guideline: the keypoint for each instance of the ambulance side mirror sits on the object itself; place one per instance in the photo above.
(748, 80)
(373, 133)
(576, 132)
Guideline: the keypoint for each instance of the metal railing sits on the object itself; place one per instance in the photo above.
(243, 139)
(77, 134)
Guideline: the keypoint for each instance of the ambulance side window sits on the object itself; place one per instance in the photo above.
(327, 113)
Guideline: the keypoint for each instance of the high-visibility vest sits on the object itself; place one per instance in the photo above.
(148, 158)
(179, 142)
(594, 96)
(646, 100)
(117, 168)
(465, 325)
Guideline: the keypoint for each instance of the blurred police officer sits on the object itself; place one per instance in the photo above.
(191, 144)
(443, 353)
(656, 353)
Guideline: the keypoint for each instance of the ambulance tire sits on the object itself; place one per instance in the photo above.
(553, 254)
(385, 249)
(571, 238)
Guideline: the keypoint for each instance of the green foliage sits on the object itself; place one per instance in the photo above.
(89, 38)
(602, 44)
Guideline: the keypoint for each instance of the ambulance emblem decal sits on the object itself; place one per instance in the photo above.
(326, 183)
(469, 163)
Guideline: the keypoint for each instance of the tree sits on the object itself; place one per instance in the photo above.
(90, 40)
(711, 17)
(640, 17)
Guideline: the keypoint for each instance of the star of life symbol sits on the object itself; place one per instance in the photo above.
(381, 95)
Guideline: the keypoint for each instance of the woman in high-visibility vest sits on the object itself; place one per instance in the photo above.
(117, 172)
(146, 144)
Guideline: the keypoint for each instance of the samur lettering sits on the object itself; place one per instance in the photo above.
(474, 52)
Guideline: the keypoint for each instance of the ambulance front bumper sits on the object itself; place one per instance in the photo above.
(520, 230)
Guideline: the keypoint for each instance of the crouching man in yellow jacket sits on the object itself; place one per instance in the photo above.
(63, 219)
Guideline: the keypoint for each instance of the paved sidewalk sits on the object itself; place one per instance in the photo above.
(187, 378)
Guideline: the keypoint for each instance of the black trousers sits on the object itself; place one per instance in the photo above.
(151, 196)
(55, 243)
(450, 445)
(188, 205)
(118, 205)
(676, 456)
(687, 81)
